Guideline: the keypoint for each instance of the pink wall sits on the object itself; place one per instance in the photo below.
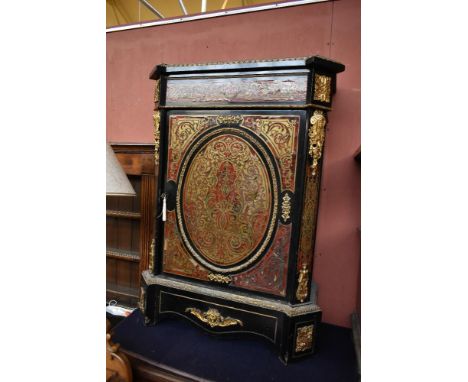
(330, 29)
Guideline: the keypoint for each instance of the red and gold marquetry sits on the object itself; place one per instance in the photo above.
(227, 200)
(229, 181)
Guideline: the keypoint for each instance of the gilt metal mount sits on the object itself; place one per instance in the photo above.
(316, 139)
(213, 318)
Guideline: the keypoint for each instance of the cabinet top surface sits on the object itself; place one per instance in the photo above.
(267, 64)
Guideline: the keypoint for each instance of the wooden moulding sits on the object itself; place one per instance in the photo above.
(136, 159)
(122, 255)
(123, 214)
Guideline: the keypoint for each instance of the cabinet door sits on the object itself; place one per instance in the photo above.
(230, 180)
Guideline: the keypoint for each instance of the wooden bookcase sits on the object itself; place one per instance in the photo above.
(130, 225)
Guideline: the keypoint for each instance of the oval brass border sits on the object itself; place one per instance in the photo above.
(274, 215)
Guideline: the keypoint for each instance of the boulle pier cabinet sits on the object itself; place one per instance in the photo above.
(238, 152)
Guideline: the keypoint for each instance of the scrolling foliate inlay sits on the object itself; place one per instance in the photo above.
(286, 207)
(322, 88)
(304, 338)
(306, 239)
(316, 139)
(183, 130)
(281, 135)
(229, 206)
(156, 121)
(213, 318)
(219, 278)
(230, 119)
(270, 274)
(176, 260)
(279, 132)
(226, 200)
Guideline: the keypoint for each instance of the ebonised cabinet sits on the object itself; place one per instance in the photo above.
(239, 148)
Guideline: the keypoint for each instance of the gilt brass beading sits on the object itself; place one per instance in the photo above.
(286, 308)
(142, 302)
(151, 259)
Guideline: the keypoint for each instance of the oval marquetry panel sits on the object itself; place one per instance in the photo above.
(228, 201)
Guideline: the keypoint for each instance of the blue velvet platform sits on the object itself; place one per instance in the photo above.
(181, 346)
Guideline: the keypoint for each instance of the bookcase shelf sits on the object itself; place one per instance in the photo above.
(130, 225)
(124, 255)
